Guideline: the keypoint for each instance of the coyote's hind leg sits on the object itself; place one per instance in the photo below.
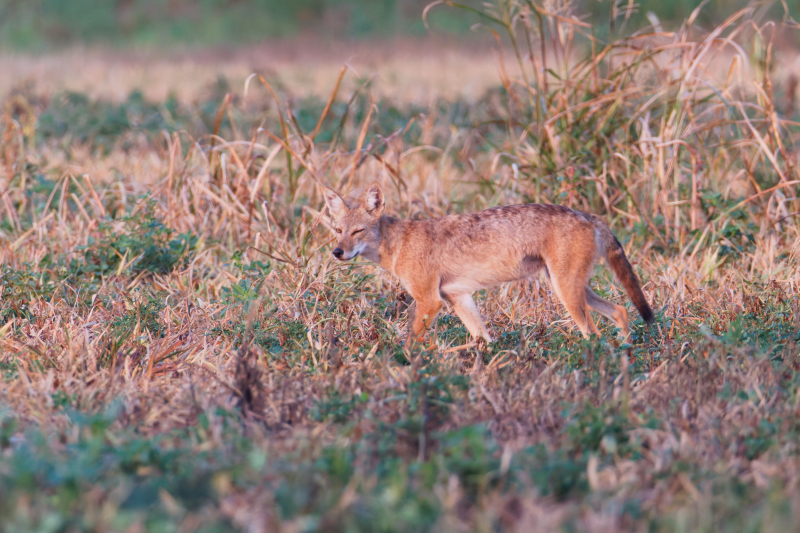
(573, 296)
(615, 313)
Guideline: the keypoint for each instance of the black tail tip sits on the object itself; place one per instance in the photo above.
(647, 315)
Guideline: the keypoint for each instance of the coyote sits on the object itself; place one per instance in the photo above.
(449, 258)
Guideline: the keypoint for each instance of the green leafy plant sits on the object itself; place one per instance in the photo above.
(21, 287)
(144, 244)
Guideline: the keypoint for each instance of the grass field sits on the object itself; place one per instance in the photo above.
(179, 352)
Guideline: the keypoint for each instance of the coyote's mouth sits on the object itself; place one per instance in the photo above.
(352, 254)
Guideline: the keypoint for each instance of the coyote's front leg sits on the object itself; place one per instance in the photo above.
(467, 311)
(422, 313)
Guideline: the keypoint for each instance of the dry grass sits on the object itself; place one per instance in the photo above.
(180, 352)
(405, 70)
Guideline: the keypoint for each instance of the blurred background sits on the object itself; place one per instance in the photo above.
(40, 25)
(195, 50)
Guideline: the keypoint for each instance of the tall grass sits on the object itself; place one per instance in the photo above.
(178, 350)
(678, 133)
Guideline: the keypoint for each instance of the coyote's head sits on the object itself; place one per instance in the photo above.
(358, 229)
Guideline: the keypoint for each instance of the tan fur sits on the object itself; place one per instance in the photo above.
(449, 258)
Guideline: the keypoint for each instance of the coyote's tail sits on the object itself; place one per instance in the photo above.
(619, 264)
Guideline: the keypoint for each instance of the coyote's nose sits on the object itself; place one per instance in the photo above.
(338, 253)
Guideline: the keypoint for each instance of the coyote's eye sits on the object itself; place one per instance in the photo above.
(357, 231)
(338, 230)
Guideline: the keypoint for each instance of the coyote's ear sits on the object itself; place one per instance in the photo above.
(336, 205)
(373, 201)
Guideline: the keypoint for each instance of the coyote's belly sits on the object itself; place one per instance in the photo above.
(461, 274)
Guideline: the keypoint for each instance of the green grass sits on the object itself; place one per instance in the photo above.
(394, 452)
(49, 24)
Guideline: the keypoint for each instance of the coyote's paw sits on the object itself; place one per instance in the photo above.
(481, 343)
